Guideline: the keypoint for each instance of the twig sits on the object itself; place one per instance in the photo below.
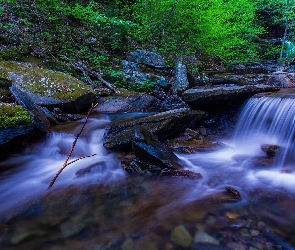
(72, 148)
(82, 157)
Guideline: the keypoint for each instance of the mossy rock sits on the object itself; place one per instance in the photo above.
(48, 88)
(14, 116)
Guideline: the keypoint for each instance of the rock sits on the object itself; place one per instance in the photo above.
(48, 88)
(167, 101)
(145, 243)
(133, 102)
(233, 192)
(16, 130)
(180, 173)
(50, 116)
(181, 236)
(219, 97)
(128, 244)
(137, 167)
(147, 58)
(192, 141)
(181, 82)
(270, 150)
(135, 74)
(37, 115)
(119, 134)
(282, 79)
(202, 237)
(19, 237)
(205, 246)
(147, 148)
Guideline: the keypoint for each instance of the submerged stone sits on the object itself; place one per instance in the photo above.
(181, 236)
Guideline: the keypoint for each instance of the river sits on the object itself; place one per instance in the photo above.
(94, 204)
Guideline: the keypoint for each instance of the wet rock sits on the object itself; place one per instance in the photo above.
(147, 148)
(137, 167)
(50, 116)
(70, 228)
(128, 244)
(37, 115)
(92, 168)
(19, 237)
(205, 246)
(48, 88)
(236, 246)
(131, 103)
(145, 243)
(119, 134)
(180, 173)
(181, 236)
(147, 58)
(282, 79)
(181, 82)
(270, 150)
(202, 237)
(233, 192)
(192, 141)
(168, 101)
(219, 97)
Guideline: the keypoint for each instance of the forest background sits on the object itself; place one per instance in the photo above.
(100, 33)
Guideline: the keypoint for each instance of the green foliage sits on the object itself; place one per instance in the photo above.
(12, 116)
(223, 28)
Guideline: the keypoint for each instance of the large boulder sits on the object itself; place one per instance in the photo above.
(219, 97)
(143, 76)
(181, 82)
(133, 102)
(147, 58)
(282, 79)
(165, 125)
(48, 88)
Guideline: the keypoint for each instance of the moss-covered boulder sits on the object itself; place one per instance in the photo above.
(48, 88)
(16, 129)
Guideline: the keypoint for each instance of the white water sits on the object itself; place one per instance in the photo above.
(30, 172)
(263, 120)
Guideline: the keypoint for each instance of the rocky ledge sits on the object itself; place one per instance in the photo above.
(219, 97)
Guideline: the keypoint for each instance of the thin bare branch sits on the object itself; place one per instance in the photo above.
(72, 148)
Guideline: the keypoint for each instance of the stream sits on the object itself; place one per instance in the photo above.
(94, 204)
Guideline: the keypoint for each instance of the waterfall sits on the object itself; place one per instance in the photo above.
(268, 120)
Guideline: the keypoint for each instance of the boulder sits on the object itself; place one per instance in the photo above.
(165, 125)
(181, 82)
(133, 102)
(136, 74)
(147, 58)
(219, 97)
(147, 148)
(48, 88)
(282, 79)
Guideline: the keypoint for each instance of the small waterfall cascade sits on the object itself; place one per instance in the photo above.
(268, 120)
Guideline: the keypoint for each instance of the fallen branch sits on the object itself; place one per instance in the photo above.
(86, 72)
(72, 148)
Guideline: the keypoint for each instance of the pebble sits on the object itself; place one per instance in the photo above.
(202, 237)
(181, 236)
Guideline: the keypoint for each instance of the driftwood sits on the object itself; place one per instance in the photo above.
(71, 150)
(86, 72)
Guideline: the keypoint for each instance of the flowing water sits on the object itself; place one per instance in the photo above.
(95, 205)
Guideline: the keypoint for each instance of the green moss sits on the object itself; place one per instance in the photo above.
(14, 116)
(44, 82)
(4, 94)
